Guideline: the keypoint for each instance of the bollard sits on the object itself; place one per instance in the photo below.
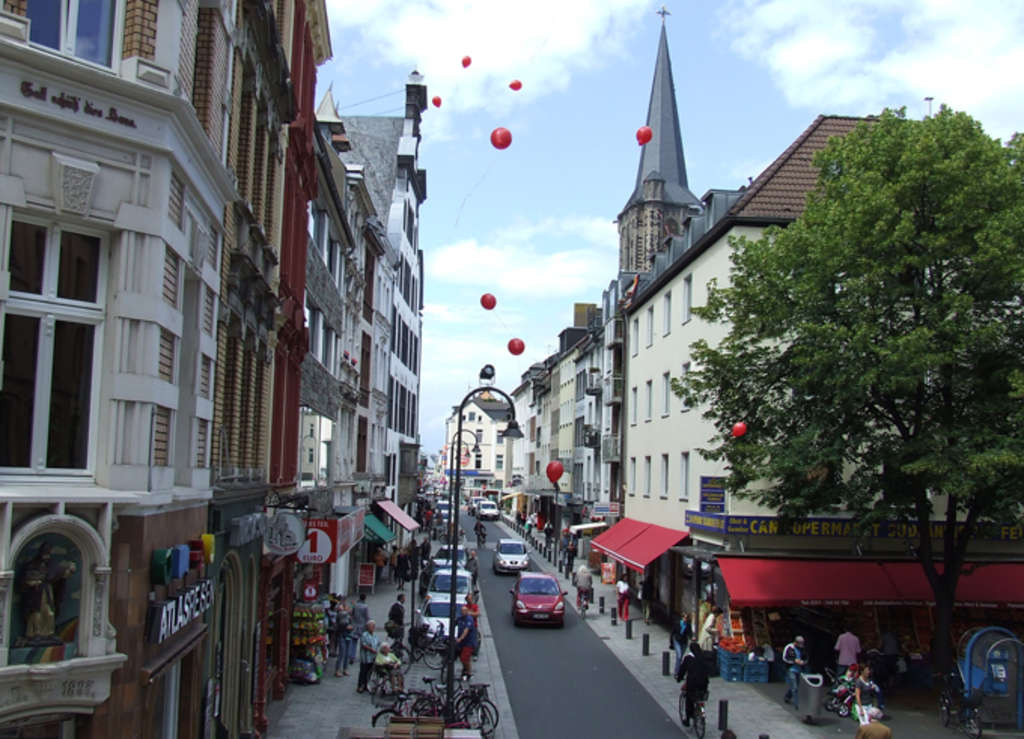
(645, 645)
(629, 629)
(600, 605)
(665, 657)
(762, 736)
(723, 715)
(614, 618)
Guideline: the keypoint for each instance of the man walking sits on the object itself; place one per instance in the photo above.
(473, 566)
(466, 641)
(360, 616)
(847, 648)
(795, 658)
(396, 616)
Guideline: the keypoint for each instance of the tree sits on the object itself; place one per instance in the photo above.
(873, 343)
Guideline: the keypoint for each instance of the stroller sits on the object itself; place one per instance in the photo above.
(841, 696)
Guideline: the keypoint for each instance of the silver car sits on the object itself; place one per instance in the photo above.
(510, 555)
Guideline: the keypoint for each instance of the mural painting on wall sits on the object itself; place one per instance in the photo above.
(47, 600)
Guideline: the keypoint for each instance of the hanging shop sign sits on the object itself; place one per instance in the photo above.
(320, 546)
(166, 618)
(350, 532)
(285, 534)
(247, 528)
(712, 494)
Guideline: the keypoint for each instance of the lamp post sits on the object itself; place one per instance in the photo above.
(512, 431)
(453, 492)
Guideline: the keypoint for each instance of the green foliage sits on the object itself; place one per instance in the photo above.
(874, 342)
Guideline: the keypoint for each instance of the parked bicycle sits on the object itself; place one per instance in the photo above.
(960, 708)
(699, 719)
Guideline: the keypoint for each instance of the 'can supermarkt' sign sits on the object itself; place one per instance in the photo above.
(833, 527)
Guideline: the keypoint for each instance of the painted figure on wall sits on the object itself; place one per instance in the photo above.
(47, 594)
(42, 589)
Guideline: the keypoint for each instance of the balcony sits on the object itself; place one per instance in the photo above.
(613, 390)
(579, 454)
(610, 448)
(594, 384)
(613, 332)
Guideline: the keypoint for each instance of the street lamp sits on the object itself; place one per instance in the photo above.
(453, 495)
(512, 431)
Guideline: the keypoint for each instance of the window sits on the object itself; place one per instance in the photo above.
(647, 477)
(686, 370)
(687, 297)
(650, 400)
(80, 28)
(632, 475)
(499, 461)
(664, 475)
(650, 325)
(684, 476)
(666, 393)
(52, 325)
(666, 318)
(472, 416)
(635, 337)
(632, 405)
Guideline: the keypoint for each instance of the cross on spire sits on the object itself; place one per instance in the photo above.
(663, 12)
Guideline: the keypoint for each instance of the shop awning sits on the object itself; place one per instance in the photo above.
(585, 528)
(635, 543)
(767, 581)
(397, 515)
(376, 530)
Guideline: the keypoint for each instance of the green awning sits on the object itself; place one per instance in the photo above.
(376, 530)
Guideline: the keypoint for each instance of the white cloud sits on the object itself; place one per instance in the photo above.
(858, 56)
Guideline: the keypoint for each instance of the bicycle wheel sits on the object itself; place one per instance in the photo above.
(699, 723)
(434, 658)
(944, 713)
(481, 715)
(972, 726)
(682, 707)
(383, 716)
(427, 705)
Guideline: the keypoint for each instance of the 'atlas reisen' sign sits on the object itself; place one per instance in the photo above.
(167, 618)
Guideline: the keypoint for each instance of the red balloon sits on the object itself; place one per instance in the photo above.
(436, 100)
(516, 346)
(501, 138)
(488, 301)
(466, 61)
(738, 429)
(515, 84)
(643, 135)
(555, 470)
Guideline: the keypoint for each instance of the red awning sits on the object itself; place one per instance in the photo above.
(399, 516)
(635, 543)
(765, 582)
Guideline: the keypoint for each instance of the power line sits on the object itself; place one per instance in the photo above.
(370, 100)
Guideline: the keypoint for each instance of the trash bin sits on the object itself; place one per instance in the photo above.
(811, 693)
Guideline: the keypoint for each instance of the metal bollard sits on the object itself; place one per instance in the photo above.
(762, 736)
(723, 715)
(615, 615)
(645, 645)
(665, 657)
(629, 629)
(600, 604)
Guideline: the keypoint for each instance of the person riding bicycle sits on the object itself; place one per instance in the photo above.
(695, 671)
(584, 585)
(481, 533)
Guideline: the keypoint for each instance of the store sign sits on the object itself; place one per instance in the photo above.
(285, 534)
(367, 574)
(712, 494)
(167, 618)
(75, 103)
(244, 529)
(320, 544)
(350, 531)
(309, 591)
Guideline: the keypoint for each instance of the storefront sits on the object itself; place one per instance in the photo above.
(396, 514)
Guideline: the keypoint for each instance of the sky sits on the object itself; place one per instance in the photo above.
(534, 224)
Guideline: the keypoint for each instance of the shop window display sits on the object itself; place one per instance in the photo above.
(47, 601)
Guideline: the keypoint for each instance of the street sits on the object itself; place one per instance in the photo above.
(563, 681)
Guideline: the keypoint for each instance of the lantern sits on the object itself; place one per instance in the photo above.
(501, 138)
(488, 301)
(516, 346)
(436, 100)
(643, 135)
(515, 84)
(466, 61)
(738, 429)
(554, 471)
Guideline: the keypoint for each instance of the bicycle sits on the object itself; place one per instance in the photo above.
(583, 601)
(960, 709)
(474, 708)
(700, 719)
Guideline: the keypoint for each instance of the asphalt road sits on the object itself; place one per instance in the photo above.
(563, 681)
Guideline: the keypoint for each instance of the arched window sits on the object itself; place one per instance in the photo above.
(47, 600)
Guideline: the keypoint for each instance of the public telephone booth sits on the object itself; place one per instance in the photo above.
(991, 659)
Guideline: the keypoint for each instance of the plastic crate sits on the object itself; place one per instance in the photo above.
(755, 672)
(731, 659)
(731, 674)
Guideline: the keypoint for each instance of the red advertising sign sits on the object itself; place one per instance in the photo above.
(367, 573)
(321, 540)
(309, 591)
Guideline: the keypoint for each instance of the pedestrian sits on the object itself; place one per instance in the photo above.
(473, 567)
(360, 616)
(873, 730)
(571, 551)
(402, 568)
(380, 560)
(694, 669)
(393, 563)
(847, 650)
(474, 611)
(867, 694)
(425, 550)
(680, 637)
(795, 659)
(647, 595)
(622, 588)
(549, 533)
(369, 643)
(466, 639)
(396, 619)
(333, 633)
(709, 630)
(346, 640)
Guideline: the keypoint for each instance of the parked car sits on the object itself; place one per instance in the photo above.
(441, 583)
(474, 503)
(435, 612)
(442, 557)
(537, 598)
(487, 511)
(510, 555)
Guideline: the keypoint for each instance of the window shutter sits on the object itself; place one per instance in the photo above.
(172, 268)
(201, 443)
(161, 435)
(166, 359)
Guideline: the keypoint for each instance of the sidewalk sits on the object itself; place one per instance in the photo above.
(751, 714)
(327, 710)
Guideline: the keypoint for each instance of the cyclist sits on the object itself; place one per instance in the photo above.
(696, 673)
(584, 585)
(481, 533)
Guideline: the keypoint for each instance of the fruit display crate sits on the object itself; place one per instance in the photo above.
(755, 671)
(730, 665)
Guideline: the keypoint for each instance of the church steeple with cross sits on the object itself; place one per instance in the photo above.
(661, 198)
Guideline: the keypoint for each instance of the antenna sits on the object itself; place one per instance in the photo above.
(929, 101)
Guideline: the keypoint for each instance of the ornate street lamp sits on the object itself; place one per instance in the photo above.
(512, 431)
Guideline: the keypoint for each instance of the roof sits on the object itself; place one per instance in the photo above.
(662, 157)
(375, 144)
(780, 191)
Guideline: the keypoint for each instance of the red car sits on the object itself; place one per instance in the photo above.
(537, 598)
